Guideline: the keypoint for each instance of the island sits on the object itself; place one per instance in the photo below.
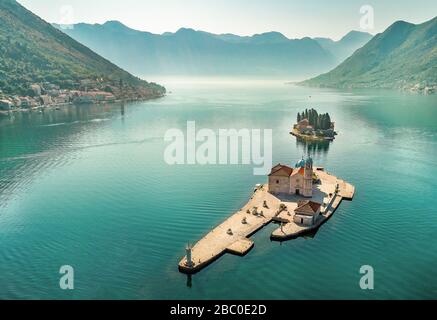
(313, 126)
(300, 199)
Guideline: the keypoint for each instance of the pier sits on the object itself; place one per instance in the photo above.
(233, 235)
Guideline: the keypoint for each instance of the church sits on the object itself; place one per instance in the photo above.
(298, 180)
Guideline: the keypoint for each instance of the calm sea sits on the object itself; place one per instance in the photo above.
(87, 186)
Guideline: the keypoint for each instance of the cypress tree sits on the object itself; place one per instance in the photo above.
(328, 120)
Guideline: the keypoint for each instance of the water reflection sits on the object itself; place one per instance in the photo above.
(313, 147)
(189, 281)
(122, 109)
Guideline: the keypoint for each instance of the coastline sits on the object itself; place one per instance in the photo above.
(306, 137)
(41, 108)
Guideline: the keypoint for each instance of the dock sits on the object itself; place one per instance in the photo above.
(233, 235)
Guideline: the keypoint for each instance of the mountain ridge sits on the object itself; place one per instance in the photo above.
(403, 57)
(192, 52)
(34, 51)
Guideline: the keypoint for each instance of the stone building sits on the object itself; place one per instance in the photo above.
(307, 213)
(297, 180)
(304, 125)
(5, 105)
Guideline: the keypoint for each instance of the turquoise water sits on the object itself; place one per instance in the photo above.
(87, 186)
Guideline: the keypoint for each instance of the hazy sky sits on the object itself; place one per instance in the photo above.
(295, 19)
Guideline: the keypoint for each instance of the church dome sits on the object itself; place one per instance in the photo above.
(300, 164)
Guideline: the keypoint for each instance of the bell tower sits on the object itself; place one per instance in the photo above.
(308, 178)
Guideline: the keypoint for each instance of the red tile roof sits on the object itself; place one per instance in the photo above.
(280, 167)
(287, 170)
(308, 207)
(300, 171)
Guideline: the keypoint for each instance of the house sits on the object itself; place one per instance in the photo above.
(16, 101)
(5, 105)
(298, 180)
(84, 98)
(27, 102)
(46, 100)
(36, 89)
(104, 96)
(62, 98)
(94, 97)
(304, 125)
(307, 213)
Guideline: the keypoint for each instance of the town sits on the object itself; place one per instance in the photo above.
(89, 91)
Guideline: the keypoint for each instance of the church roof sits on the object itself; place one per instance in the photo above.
(302, 163)
(300, 171)
(281, 170)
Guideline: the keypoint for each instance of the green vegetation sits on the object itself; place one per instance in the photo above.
(345, 47)
(316, 120)
(33, 51)
(403, 57)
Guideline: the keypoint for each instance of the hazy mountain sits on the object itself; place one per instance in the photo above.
(345, 47)
(32, 51)
(190, 52)
(404, 56)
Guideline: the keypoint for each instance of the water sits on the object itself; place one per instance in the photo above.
(88, 187)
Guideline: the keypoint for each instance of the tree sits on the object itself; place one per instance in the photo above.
(328, 121)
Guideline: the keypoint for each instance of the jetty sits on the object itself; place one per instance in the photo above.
(263, 208)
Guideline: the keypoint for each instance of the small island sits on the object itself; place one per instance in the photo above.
(299, 198)
(314, 126)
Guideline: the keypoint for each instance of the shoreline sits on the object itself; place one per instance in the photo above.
(297, 134)
(40, 108)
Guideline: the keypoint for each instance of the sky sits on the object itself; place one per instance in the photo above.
(293, 18)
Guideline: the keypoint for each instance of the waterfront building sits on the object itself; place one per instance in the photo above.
(36, 89)
(297, 180)
(307, 213)
(5, 105)
(304, 125)
(46, 100)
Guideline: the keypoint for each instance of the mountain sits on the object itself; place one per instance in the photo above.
(191, 52)
(33, 51)
(345, 47)
(403, 57)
